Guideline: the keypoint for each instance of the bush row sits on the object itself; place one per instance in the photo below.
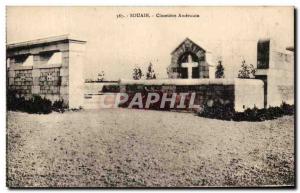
(36, 104)
(227, 112)
(111, 88)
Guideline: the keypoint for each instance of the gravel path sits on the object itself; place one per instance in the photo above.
(132, 148)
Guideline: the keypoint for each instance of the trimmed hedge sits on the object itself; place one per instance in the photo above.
(58, 106)
(226, 112)
(218, 111)
(34, 105)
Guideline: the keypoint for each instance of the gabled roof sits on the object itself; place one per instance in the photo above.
(187, 39)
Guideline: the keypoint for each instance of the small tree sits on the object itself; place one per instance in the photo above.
(252, 71)
(137, 73)
(246, 71)
(101, 76)
(150, 72)
(219, 70)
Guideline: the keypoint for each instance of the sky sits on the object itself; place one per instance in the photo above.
(117, 45)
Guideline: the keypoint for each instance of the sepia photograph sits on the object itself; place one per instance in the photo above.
(150, 97)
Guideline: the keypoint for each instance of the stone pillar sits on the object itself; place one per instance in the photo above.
(36, 59)
(64, 77)
(76, 79)
(36, 81)
(212, 71)
(11, 77)
(211, 65)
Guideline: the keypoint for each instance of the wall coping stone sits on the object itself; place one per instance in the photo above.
(41, 66)
(182, 82)
(18, 67)
(53, 39)
(47, 66)
(177, 82)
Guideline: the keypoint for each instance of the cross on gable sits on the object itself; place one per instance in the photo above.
(189, 65)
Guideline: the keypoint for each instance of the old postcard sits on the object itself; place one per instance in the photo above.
(150, 97)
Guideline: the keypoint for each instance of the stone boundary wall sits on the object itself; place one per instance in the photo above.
(46, 82)
(240, 93)
(205, 92)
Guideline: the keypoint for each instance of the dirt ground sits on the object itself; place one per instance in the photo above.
(133, 148)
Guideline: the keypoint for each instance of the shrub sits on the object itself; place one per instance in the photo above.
(36, 104)
(246, 71)
(40, 105)
(226, 112)
(251, 114)
(12, 101)
(287, 109)
(137, 73)
(219, 70)
(111, 88)
(150, 72)
(58, 106)
(218, 111)
(274, 112)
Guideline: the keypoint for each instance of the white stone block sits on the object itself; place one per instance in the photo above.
(35, 90)
(65, 80)
(212, 71)
(248, 93)
(64, 72)
(11, 81)
(11, 73)
(36, 73)
(64, 90)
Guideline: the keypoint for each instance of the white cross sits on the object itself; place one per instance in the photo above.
(189, 65)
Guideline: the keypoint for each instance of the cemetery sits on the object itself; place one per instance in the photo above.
(147, 147)
(150, 97)
(53, 69)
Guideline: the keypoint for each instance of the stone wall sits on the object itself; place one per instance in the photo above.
(45, 82)
(21, 81)
(49, 81)
(204, 93)
(240, 93)
(42, 67)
